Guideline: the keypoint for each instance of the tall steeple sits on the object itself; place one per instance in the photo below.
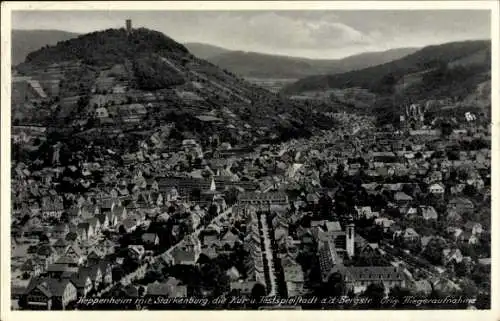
(350, 234)
(212, 185)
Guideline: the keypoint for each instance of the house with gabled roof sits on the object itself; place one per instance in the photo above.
(211, 250)
(60, 246)
(73, 213)
(423, 287)
(156, 199)
(428, 212)
(366, 212)
(150, 238)
(122, 191)
(171, 288)
(82, 281)
(94, 256)
(130, 203)
(107, 204)
(478, 183)
(152, 184)
(106, 270)
(452, 216)
(96, 225)
(130, 291)
(453, 255)
(136, 252)
(114, 193)
(95, 274)
(395, 230)
(409, 211)
(188, 253)
(410, 235)
(111, 218)
(281, 232)
(329, 259)
(60, 230)
(88, 211)
(129, 224)
(210, 235)
(141, 200)
(120, 212)
(57, 269)
(81, 201)
(33, 267)
(73, 236)
(437, 189)
(469, 238)
(52, 207)
(444, 285)
(401, 198)
(384, 222)
(229, 239)
(424, 240)
(358, 278)
(434, 176)
(243, 287)
(85, 231)
(454, 232)
(474, 227)
(233, 274)
(50, 293)
(461, 205)
(74, 252)
(103, 220)
(369, 249)
(47, 253)
(34, 207)
(393, 187)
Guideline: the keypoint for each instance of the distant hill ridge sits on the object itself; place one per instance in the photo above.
(454, 75)
(205, 51)
(424, 59)
(260, 65)
(245, 64)
(153, 62)
(26, 41)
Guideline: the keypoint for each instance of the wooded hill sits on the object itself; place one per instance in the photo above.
(382, 79)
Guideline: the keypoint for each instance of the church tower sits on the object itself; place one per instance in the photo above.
(350, 238)
(213, 188)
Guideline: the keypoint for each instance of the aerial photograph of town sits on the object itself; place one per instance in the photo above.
(250, 160)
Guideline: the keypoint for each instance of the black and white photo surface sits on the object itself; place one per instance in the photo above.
(250, 160)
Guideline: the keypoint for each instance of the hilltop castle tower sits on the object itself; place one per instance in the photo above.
(128, 25)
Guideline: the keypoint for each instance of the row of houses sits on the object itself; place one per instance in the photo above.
(61, 281)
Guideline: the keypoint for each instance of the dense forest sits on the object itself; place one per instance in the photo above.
(457, 82)
(152, 73)
(443, 82)
(114, 46)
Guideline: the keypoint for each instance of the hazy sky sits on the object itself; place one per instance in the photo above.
(314, 34)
